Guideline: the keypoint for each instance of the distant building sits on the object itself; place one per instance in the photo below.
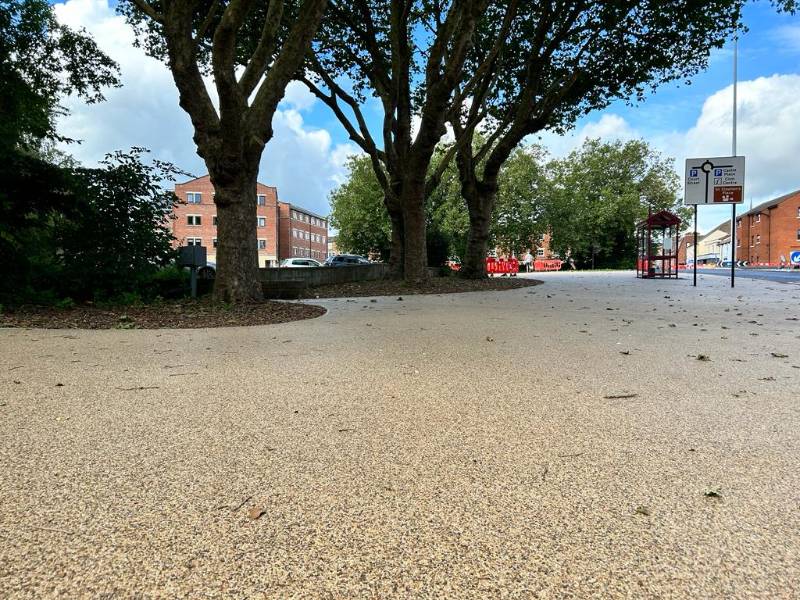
(715, 246)
(333, 250)
(302, 233)
(769, 232)
(540, 249)
(283, 230)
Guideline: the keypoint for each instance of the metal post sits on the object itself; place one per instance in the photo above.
(193, 279)
(733, 206)
(695, 246)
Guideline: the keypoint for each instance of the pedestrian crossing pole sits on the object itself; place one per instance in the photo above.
(733, 206)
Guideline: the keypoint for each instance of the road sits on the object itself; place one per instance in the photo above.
(769, 275)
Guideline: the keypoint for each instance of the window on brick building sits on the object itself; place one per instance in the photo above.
(798, 212)
(758, 218)
(738, 222)
(262, 244)
(193, 220)
(262, 221)
(758, 239)
(194, 197)
(798, 235)
(261, 200)
(214, 220)
(194, 241)
(214, 242)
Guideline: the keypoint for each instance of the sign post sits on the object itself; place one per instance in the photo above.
(718, 180)
(192, 257)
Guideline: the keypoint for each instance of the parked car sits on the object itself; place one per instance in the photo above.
(299, 262)
(207, 272)
(345, 260)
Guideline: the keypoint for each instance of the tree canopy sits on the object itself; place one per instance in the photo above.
(599, 192)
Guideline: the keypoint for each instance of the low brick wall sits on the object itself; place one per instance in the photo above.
(315, 276)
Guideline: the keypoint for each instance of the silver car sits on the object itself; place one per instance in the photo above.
(300, 262)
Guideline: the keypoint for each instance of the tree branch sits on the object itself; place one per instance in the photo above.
(257, 65)
(148, 9)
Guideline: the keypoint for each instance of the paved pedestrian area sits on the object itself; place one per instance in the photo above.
(594, 436)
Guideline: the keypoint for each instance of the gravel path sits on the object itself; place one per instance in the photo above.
(564, 440)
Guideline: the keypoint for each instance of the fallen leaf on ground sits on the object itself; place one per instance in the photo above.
(713, 493)
(642, 510)
(620, 396)
(703, 357)
(255, 512)
(779, 355)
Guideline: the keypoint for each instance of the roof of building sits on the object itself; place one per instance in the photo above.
(769, 203)
(207, 176)
(308, 212)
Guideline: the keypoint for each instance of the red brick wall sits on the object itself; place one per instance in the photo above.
(765, 236)
(272, 212)
(686, 242)
(302, 233)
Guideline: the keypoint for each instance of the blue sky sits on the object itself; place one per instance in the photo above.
(306, 158)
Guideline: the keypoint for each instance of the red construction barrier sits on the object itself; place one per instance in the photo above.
(547, 265)
(502, 266)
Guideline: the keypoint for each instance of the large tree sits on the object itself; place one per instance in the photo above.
(541, 65)
(598, 193)
(409, 55)
(358, 212)
(518, 219)
(252, 49)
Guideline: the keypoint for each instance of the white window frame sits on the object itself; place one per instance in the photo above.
(260, 246)
(540, 252)
(261, 199)
(193, 194)
(194, 241)
(758, 218)
(214, 242)
(194, 220)
(261, 221)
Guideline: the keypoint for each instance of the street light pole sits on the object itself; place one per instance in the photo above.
(733, 205)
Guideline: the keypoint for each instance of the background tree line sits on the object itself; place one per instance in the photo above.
(589, 201)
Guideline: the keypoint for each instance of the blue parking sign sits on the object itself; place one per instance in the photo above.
(717, 172)
(693, 173)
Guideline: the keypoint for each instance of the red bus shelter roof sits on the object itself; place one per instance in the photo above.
(660, 220)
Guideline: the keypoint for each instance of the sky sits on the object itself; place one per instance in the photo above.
(306, 159)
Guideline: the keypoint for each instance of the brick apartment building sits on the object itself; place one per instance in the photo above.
(282, 229)
(302, 233)
(769, 233)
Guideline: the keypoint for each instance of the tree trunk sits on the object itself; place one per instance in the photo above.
(480, 204)
(392, 204)
(415, 251)
(237, 254)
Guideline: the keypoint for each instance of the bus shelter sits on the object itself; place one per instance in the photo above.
(657, 246)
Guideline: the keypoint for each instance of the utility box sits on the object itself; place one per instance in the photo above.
(192, 256)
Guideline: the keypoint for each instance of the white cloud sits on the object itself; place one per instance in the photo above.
(609, 127)
(301, 161)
